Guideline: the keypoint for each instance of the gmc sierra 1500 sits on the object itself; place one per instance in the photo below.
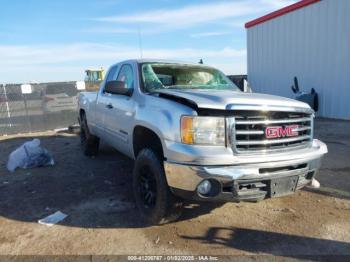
(194, 135)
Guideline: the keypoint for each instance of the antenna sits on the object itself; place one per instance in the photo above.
(140, 40)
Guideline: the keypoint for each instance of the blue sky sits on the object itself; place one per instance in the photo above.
(57, 40)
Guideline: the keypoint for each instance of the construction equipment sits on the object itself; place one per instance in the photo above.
(93, 78)
(309, 98)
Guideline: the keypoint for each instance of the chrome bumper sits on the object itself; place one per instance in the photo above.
(186, 177)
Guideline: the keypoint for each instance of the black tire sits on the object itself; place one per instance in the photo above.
(157, 205)
(89, 142)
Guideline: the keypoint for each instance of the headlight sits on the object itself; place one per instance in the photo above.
(203, 130)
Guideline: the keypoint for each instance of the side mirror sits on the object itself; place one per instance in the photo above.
(117, 88)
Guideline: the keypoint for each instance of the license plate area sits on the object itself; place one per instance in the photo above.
(283, 186)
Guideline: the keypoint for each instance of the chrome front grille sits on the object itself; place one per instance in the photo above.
(248, 131)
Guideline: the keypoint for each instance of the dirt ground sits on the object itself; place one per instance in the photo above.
(96, 194)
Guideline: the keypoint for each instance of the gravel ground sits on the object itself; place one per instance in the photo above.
(96, 194)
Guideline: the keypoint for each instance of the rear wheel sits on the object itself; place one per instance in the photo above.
(157, 205)
(89, 142)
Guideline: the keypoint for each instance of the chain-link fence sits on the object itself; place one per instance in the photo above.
(37, 107)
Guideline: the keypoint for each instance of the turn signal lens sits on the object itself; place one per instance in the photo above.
(187, 130)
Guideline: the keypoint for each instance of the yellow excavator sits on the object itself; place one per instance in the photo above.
(93, 78)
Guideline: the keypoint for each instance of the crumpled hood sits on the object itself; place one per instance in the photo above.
(224, 99)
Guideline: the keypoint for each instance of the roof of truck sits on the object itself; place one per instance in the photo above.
(149, 60)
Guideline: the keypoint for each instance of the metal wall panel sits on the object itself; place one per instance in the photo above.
(312, 43)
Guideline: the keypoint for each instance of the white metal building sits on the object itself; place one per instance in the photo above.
(311, 40)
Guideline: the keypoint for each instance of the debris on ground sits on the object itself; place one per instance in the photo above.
(52, 219)
(107, 182)
(29, 155)
(61, 130)
(74, 129)
(284, 210)
(315, 184)
(157, 240)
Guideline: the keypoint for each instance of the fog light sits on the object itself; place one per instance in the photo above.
(204, 187)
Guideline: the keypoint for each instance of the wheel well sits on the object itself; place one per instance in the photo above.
(144, 137)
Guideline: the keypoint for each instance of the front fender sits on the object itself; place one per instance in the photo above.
(162, 117)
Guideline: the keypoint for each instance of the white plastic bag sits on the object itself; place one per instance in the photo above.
(29, 155)
(52, 219)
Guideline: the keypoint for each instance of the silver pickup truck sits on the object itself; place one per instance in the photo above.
(195, 135)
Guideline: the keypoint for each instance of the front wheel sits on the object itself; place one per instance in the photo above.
(157, 205)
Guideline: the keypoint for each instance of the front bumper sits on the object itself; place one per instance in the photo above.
(249, 181)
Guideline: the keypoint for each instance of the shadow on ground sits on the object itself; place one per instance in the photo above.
(257, 241)
(327, 191)
(94, 192)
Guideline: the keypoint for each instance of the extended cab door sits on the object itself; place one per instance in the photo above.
(102, 101)
(121, 111)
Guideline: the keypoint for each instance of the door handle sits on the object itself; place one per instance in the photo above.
(109, 106)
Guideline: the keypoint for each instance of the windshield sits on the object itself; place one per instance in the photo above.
(181, 76)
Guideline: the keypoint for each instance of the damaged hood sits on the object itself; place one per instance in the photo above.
(225, 99)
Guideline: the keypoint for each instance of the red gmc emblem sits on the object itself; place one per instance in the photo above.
(281, 131)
